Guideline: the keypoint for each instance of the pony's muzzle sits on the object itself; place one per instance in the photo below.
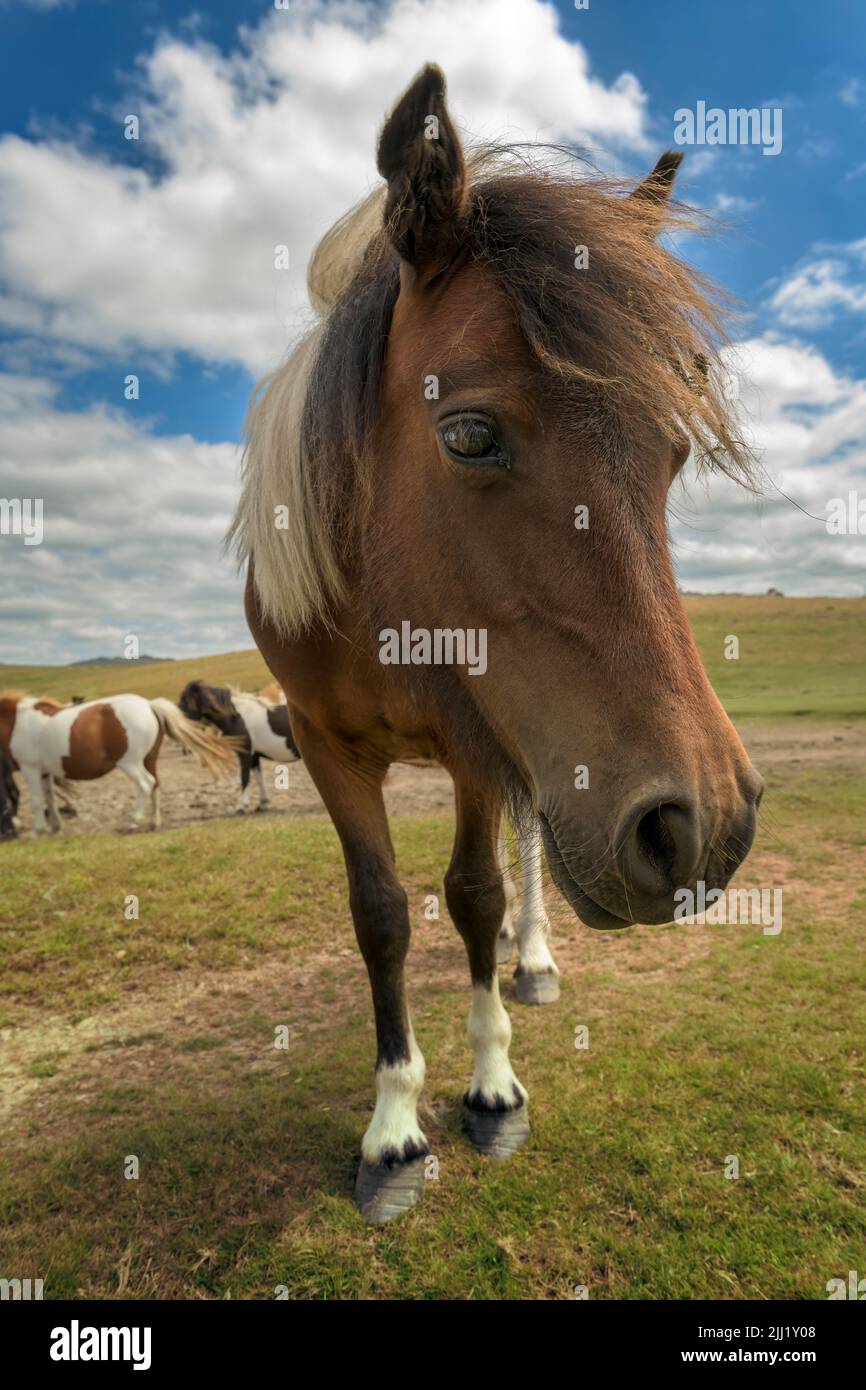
(667, 843)
(663, 843)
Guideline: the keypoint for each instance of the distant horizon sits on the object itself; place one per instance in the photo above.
(147, 660)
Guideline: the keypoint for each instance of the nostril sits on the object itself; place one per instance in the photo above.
(655, 841)
(660, 850)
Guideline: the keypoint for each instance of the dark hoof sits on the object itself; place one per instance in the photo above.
(534, 987)
(504, 948)
(263, 806)
(498, 1133)
(240, 811)
(381, 1193)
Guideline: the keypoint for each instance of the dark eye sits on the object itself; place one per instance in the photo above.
(472, 439)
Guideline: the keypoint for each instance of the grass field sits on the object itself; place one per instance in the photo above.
(153, 1038)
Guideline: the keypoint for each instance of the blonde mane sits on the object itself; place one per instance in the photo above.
(297, 572)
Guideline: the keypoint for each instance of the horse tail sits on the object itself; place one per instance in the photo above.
(212, 750)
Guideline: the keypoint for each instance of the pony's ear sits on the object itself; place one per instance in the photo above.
(421, 158)
(655, 190)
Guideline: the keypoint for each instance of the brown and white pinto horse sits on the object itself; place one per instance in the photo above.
(259, 727)
(47, 740)
(477, 441)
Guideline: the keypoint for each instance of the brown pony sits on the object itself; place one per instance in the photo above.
(454, 517)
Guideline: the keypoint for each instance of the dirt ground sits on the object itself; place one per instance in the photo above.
(783, 752)
(189, 794)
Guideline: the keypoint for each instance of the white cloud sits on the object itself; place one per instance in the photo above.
(132, 531)
(822, 286)
(808, 425)
(853, 92)
(734, 203)
(42, 4)
(265, 146)
(133, 521)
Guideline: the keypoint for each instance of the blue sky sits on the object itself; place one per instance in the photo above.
(252, 139)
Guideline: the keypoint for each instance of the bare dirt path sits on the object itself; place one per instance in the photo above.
(190, 794)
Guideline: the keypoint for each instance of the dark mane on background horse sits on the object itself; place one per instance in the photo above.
(633, 340)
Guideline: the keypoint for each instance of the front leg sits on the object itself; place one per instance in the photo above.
(392, 1171)
(48, 794)
(36, 788)
(264, 803)
(245, 760)
(496, 1102)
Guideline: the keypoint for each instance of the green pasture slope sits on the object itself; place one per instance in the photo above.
(155, 1038)
(166, 678)
(797, 657)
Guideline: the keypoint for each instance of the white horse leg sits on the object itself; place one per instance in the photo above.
(537, 975)
(48, 794)
(150, 767)
(496, 1111)
(35, 786)
(144, 785)
(263, 791)
(505, 943)
(394, 1127)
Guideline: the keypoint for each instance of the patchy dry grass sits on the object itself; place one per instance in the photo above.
(154, 1039)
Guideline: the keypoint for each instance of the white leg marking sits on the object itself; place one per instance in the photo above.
(35, 786)
(156, 813)
(532, 925)
(507, 928)
(144, 785)
(493, 1080)
(263, 793)
(395, 1122)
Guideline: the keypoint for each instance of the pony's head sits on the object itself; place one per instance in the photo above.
(481, 435)
(210, 703)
